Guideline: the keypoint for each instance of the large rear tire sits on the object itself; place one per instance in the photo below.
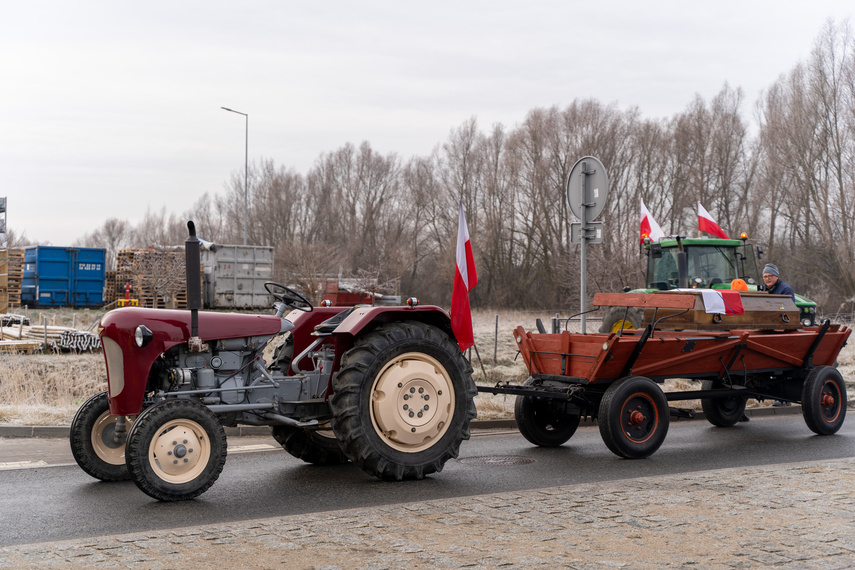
(824, 400)
(542, 421)
(92, 441)
(318, 447)
(722, 412)
(176, 450)
(403, 400)
(633, 417)
(618, 318)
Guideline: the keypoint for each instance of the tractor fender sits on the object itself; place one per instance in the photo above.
(367, 318)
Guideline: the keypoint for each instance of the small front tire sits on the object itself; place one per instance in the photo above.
(176, 450)
(619, 318)
(92, 440)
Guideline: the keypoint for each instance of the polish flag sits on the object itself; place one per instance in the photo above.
(707, 224)
(722, 302)
(649, 227)
(465, 279)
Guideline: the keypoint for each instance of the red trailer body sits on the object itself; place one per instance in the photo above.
(615, 376)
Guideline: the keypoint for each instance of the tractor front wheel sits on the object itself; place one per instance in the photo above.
(403, 400)
(542, 421)
(619, 318)
(633, 417)
(824, 400)
(318, 447)
(94, 444)
(176, 450)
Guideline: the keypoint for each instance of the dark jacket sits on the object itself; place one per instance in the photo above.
(781, 288)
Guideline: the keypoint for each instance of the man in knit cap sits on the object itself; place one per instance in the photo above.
(774, 284)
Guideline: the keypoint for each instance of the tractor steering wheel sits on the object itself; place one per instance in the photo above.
(706, 270)
(288, 296)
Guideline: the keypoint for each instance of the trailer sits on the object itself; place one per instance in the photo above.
(739, 345)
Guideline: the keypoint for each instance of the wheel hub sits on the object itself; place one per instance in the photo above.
(104, 440)
(636, 417)
(412, 402)
(178, 451)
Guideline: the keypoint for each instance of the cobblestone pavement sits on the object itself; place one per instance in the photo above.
(797, 515)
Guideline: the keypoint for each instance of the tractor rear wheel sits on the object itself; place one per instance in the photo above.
(618, 318)
(722, 412)
(824, 400)
(402, 400)
(92, 441)
(542, 421)
(318, 447)
(176, 450)
(633, 417)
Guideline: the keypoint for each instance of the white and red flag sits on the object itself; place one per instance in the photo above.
(465, 279)
(707, 224)
(649, 227)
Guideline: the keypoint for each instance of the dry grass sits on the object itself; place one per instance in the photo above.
(48, 389)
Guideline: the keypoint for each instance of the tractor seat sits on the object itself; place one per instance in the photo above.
(329, 325)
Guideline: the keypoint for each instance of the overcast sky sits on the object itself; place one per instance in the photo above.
(111, 108)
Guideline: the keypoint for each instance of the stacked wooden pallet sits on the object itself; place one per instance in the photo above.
(11, 278)
(153, 274)
(110, 291)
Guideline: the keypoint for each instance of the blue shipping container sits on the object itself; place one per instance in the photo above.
(63, 276)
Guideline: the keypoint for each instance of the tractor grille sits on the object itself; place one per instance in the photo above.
(115, 367)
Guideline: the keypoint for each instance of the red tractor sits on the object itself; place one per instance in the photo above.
(384, 387)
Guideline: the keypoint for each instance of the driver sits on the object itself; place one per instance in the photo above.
(773, 282)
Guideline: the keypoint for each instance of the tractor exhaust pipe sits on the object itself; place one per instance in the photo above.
(192, 260)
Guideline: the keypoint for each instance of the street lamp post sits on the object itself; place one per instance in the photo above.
(245, 172)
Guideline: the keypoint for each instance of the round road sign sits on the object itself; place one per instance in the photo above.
(590, 172)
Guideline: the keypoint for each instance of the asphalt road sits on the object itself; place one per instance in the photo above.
(60, 503)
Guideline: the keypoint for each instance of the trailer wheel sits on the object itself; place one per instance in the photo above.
(633, 417)
(541, 421)
(92, 444)
(618, 318)
(176, 450)
(722, 412)
(824, 400)
(318, 447)
(403, 401)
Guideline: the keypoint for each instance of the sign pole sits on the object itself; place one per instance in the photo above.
(587, 199)
(584, 293)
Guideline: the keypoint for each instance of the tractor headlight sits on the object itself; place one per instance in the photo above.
(806, 322)
(142, 336)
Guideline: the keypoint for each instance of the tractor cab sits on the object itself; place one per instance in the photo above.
(710, 263)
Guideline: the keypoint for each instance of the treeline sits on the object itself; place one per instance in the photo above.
(786, 178)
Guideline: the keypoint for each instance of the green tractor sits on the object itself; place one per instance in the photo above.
(699, 263)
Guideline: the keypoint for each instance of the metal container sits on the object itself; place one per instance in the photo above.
(234, 276)
(63, 276)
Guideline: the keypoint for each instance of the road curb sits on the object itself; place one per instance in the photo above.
(64, 431)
